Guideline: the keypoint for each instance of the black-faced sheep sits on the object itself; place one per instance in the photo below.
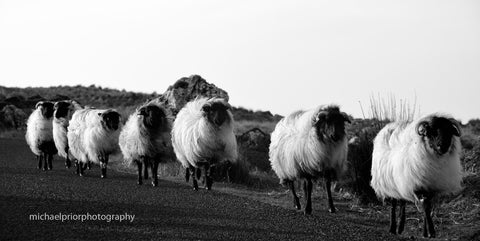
(307, 145)
(415, 161)
(202, 136)
(93, 136)
(61, 118)
(39, 135)
(146, 140)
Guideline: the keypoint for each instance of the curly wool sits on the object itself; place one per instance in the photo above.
(296, 150)
(195, 139)
(403, 162)
(136, 140)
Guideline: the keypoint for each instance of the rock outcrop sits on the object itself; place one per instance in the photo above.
(187, 89)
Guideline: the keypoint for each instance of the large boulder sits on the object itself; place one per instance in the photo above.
(253, 147)
(187, 89)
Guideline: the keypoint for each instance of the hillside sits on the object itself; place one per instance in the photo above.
(183, 90)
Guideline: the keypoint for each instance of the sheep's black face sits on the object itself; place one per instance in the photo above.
(439, 133)
(331, 124)
(46, 109)
(216, 112)
(153, 116)
(110, 119)
(61, 109)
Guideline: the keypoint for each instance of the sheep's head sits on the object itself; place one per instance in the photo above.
(330, 123)
(153, 116)
(110, 119)
(46, 107)
(62, 109)
(439, 132)
(216, 112)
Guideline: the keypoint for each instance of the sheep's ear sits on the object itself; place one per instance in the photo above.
(55, 106)
(321, 116)
(99, 113)
(456, 127)
(206, 108)
(346, 117)
(38, 103)
(422, 128)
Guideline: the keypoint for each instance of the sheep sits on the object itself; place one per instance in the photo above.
(93, 136)
(308, 145)
(146, 139)
(416, 161)
(61, 117)
(202, 136)
(39, 135)
(101, 136)
(75, 136)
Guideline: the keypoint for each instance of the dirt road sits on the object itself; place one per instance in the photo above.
(171, 211)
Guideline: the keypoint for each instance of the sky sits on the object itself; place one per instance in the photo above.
(268, 55)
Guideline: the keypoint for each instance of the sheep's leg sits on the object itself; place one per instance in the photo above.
(296, 201)
(401, 224)
(145, 170)
(77, 165)
(307, 188)
(103, 165)
(187, 174)
(89, 165)
(208, 176)
(193, 171)
(393, 217)
(139, 166)
(154, 172)
(50, 160)
(45, 161)
(428, 228)
(39, 159)
(68, 163)
(328, 183)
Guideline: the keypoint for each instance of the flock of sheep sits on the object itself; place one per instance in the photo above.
(412, 161)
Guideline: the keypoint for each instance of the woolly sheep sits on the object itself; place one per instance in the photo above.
(307, 145)
(39, 135)
(202, 136)
(415, 161)
(101, 136)
(61, 117)
(75, 135)
(93, 136)
(146, 139)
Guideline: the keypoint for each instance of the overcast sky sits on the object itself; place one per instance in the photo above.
(269, 55)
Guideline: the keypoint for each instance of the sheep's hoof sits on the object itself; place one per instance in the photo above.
(139, 182)
(298, 207)
(155, 183)
(331, 210)
(307, 211)
(103, 176)
(68, 165)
